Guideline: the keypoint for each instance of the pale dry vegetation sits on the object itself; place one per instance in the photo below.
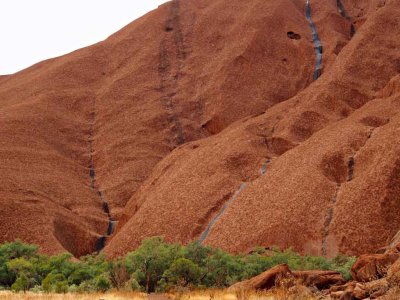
(244, 295)
(276, 294)
(72, 296)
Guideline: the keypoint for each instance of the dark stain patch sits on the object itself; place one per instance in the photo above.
(293, 36)
(307, 124)
(350, 167)
(334, 167)
(172, 55)
(214, 125)
(279, 145)
(390, 205)
(374, 121)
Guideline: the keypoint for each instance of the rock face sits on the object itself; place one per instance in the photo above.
(371, 267)
(319, 279)
(384, 284)
(202, 119)
(375, 277)
(279, 275)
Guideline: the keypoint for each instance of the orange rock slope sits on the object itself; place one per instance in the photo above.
(201, 120)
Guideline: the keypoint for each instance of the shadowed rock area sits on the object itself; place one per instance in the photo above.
(166, 119)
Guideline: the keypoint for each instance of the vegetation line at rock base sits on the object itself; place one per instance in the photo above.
(154, 266)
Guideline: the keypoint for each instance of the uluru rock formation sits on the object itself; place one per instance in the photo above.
(235, 123)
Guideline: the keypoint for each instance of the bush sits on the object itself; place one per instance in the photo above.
(154, 266)
(54, 281)
(61, 287)
(223, 269)
(343, 265)
(102, 283)
(36, 289)
(151, 260)
(135, 286)
(21, 284)
(9, 252)
(86, 286)
(183, 272)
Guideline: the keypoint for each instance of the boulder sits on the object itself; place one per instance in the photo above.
(372, 289)
(319, 279)
(393, 274)
(359, 292)
(344, 287)
(371, 267)
(276, 276)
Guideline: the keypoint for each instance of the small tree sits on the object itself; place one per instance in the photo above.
(223, 269)
(23, 270)
(183, 272)
(197, 253)
(22, 283)
(52, 282)
(102, 283)
(9, 252)
(150, 261)
(118, 274)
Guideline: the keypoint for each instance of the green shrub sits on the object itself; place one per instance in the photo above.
(86, 286)
(61, 287)
(154, 266)
(183, 272)
(222, 269)
(36, 289)
(150, 261)
(102, 283)
(343, 265)
(22, 283)
(53, 281)
(9, 252)
(134, 285)
(73, 288)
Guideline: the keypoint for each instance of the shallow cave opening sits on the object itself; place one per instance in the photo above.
(294, 36)
(169, 28)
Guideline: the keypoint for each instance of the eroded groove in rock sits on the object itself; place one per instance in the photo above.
(316, 41)
(345, 15)
(331, 209)
(350, 166)
(206, 232)
(328, 219)
(169, 69)
(352, 160)
(101, 242)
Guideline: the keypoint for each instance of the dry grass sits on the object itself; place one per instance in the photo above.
(69, 296)
(278, 294)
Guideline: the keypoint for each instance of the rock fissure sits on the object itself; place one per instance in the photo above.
(331, 209)
(242, 187)
(316, 41)
(170, 70)
(328, 219)
(345, 15)
(101, 242)
(350, 168)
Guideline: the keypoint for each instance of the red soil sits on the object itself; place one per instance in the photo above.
(188, 102)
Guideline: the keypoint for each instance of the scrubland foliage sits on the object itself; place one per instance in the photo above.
(154, 266)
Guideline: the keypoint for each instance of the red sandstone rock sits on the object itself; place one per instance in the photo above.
(307, 182)
(182, 106)
(373, 289)
(371, 267)
(319, 279)
(276, 276)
